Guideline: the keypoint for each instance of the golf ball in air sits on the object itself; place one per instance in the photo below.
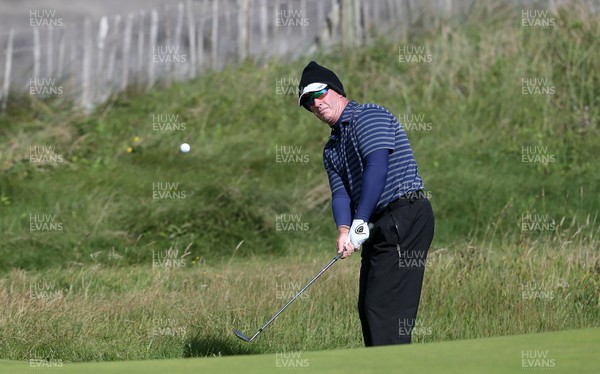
(185, 148)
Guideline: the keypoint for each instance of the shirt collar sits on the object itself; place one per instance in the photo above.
(347, 113)
(344, 118)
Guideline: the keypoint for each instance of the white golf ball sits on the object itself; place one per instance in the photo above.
(185, 148)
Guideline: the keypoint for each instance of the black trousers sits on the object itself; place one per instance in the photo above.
(392, 268)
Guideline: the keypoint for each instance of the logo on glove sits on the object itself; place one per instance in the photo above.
(359, 233)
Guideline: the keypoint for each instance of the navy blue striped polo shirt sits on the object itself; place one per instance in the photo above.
(362, 129)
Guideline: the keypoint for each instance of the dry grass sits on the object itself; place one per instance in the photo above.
(140, 313)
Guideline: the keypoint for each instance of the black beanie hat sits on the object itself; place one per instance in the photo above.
(315, 73)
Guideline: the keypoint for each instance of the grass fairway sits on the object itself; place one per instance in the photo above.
(570, 351)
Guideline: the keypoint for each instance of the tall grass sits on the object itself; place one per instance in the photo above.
(471, 159)
(105, 313)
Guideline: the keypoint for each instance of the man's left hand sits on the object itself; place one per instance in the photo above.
(359, 233)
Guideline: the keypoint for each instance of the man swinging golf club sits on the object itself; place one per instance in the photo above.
(374, 179)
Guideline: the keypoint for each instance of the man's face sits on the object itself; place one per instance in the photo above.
(328, 108)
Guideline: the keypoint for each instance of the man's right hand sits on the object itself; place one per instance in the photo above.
(344, 246)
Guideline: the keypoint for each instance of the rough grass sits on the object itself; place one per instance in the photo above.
(470, 156)
(103, 313)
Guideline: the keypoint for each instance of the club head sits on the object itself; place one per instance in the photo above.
(240, 335)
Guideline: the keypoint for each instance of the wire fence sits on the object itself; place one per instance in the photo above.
(87, 62)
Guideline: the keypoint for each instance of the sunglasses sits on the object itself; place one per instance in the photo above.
(310, 101)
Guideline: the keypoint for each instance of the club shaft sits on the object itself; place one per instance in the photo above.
(337, 257)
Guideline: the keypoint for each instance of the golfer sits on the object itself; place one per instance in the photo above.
(374, 181)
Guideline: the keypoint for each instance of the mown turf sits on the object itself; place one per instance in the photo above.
(571, 351)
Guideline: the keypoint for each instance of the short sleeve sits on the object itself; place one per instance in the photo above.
(375, 130)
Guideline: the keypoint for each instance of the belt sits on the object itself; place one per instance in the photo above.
(406, 199)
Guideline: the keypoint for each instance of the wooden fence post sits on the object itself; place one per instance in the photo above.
(375, 17)
(242, 42)
(200, 35)
(448, 9)
(179, 24)
(348, 32)
(166, 69)
(153, 38)
(325, 31)
(126, 51)
(407, 20)
(274, 12)
(214, 35)
(390, 9)
(73, 61)
(7, 68)
(321, 26)
(334, 23)
(191, 39)
(228, 29)
(414, 12)
(177, 41)
(37, 53)
(110, 69)
(304, 14)
(285, 47)
(98, 80)
(365, 19)
(61, 56)
(140, 50)
(49, 52)
(264, 25)
(87, 66)
(358, 26)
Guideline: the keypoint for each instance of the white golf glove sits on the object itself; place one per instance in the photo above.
(359, 233)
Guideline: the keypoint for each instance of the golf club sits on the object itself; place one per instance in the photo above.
(240, 335)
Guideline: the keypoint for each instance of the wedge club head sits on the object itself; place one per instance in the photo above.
(241, 335)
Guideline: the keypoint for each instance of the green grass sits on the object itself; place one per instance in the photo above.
(223, 232)
(560, 352)
(471, 159)
(104, 314)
